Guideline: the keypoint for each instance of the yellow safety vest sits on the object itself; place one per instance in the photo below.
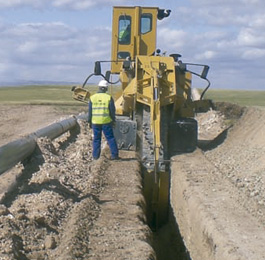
(123, 36)
(100, 108)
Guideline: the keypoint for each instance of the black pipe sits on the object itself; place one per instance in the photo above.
(18, 150)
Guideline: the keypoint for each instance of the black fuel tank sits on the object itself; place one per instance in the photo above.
(183, 136)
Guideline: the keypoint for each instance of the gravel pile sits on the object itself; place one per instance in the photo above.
(241, 159)
(64, 203)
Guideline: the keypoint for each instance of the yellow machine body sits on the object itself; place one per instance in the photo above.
(140, 22)
(155, 111)
(81, 94)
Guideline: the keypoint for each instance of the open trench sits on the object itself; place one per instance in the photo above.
(59, 204)
(63, 205)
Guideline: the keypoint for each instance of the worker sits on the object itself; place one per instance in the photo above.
(101, 117)
(125, 34)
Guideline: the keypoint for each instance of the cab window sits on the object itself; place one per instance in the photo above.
(123, 55)
(124, 29)
(146, 23)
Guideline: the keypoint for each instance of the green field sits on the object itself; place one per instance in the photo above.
(37, 95)
(240, 97)
(58, 96)
(62, 95)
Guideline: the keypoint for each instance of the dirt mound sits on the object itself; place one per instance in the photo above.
(241, 158)
(218, 194)
(70, 207)
(229, 110)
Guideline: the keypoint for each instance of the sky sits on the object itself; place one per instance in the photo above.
(59, 40)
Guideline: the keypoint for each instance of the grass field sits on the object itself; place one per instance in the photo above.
(240, 97)
(62, 95)
(37, 95)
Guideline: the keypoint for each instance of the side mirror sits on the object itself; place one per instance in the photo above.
(107, 75)
(126, 64)
(162, 13)
(97, 68)
(205, 72)
(175, 56)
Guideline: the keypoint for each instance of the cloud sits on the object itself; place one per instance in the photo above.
(175, 39)
(223, 34)
(251, 38)
(61, 4)
(51, 50)
(22, 3)
(71, 4)
(227, 35)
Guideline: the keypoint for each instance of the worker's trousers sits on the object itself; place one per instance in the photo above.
(108, 132)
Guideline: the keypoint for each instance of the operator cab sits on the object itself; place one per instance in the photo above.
(131, 38)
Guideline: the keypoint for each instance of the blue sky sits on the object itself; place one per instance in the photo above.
(59, 40)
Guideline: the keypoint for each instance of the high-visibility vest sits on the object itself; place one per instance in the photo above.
(123, 36)
(100, 108)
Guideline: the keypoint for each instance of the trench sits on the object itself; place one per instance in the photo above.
(168, 243)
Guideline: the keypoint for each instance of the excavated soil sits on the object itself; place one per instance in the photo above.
(67, 206)
(218, 192)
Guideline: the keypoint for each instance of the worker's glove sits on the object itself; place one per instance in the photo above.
(113, 124)
(90, 125)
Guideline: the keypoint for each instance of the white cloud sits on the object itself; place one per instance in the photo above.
(51, 50)
(78, 5)
(254, 53)
(64, 4)
(250, 37)
(227, 35)
(258, 21)
(28, 47)
(207, 55)
(22, 3)
(175, 39)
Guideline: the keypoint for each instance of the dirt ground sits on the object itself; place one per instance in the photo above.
(218, 192)
(20, 120)
(70, 207)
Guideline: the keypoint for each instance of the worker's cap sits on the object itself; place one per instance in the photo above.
(103, 84)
